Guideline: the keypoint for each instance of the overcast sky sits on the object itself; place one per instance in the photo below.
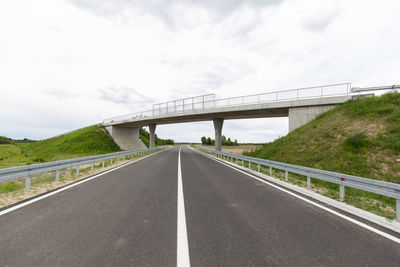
(65, 64)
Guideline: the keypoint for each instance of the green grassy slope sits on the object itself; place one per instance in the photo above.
(360, 137)
(88, 141)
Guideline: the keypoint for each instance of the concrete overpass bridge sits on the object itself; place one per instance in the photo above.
(300, 105)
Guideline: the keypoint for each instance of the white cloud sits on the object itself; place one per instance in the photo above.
(66, 64)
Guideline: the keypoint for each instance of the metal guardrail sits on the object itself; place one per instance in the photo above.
(375, 88)
(179, 107)
(370, 185)
(27, 171)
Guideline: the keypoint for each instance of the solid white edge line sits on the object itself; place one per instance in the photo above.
(372, 229)
(182, 246)
(46, 195)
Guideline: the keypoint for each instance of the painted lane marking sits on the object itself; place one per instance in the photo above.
(68, 187)
(182, 248)
(372, 229)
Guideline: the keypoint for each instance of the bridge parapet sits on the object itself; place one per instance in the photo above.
(208, 102)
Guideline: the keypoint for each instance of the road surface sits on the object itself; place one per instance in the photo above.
(152, 213)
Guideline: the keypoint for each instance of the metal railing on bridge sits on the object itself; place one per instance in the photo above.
(370, 185)
(205, 102)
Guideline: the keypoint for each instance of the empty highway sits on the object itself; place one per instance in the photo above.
(180, 207)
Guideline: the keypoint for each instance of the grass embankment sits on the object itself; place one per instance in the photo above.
(92, 140)
(360, 137)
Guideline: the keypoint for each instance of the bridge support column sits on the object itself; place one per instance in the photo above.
(127, 138)
(152, 129)
(298, 116)
(218, 133)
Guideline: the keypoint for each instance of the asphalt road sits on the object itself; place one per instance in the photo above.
(128, 217)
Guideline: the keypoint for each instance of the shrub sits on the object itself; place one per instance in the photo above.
(356, 142)
(38, 160)
(5, 140)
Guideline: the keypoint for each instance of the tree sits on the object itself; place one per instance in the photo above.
(208, 141)
(223, 140)
(203, 140)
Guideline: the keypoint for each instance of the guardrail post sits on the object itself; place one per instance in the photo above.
(249, 164)
(236, 160)
(57, 175)
(110, 161)
(91, 167)
(270, 171)
(341, 189)
(27, 183)
(398, 209)
(242, 162)
(286, 175)
(103, 163)
(258, 167)
(308, 182)
(77, 170)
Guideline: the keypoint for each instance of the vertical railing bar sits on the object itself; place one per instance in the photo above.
(27, 182)
(341, 189)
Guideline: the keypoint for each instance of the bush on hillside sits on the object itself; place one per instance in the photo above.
(5, 140)
(356, 142)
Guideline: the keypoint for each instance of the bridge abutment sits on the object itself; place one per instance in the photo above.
(127, 138)
(298, 116)
(152, 130)
(218, 123)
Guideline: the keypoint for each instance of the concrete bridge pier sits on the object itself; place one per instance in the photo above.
(127, 138)
(152, 129)
(218, 123)
(298, 116)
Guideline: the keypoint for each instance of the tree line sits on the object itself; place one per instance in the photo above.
(225, 142)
